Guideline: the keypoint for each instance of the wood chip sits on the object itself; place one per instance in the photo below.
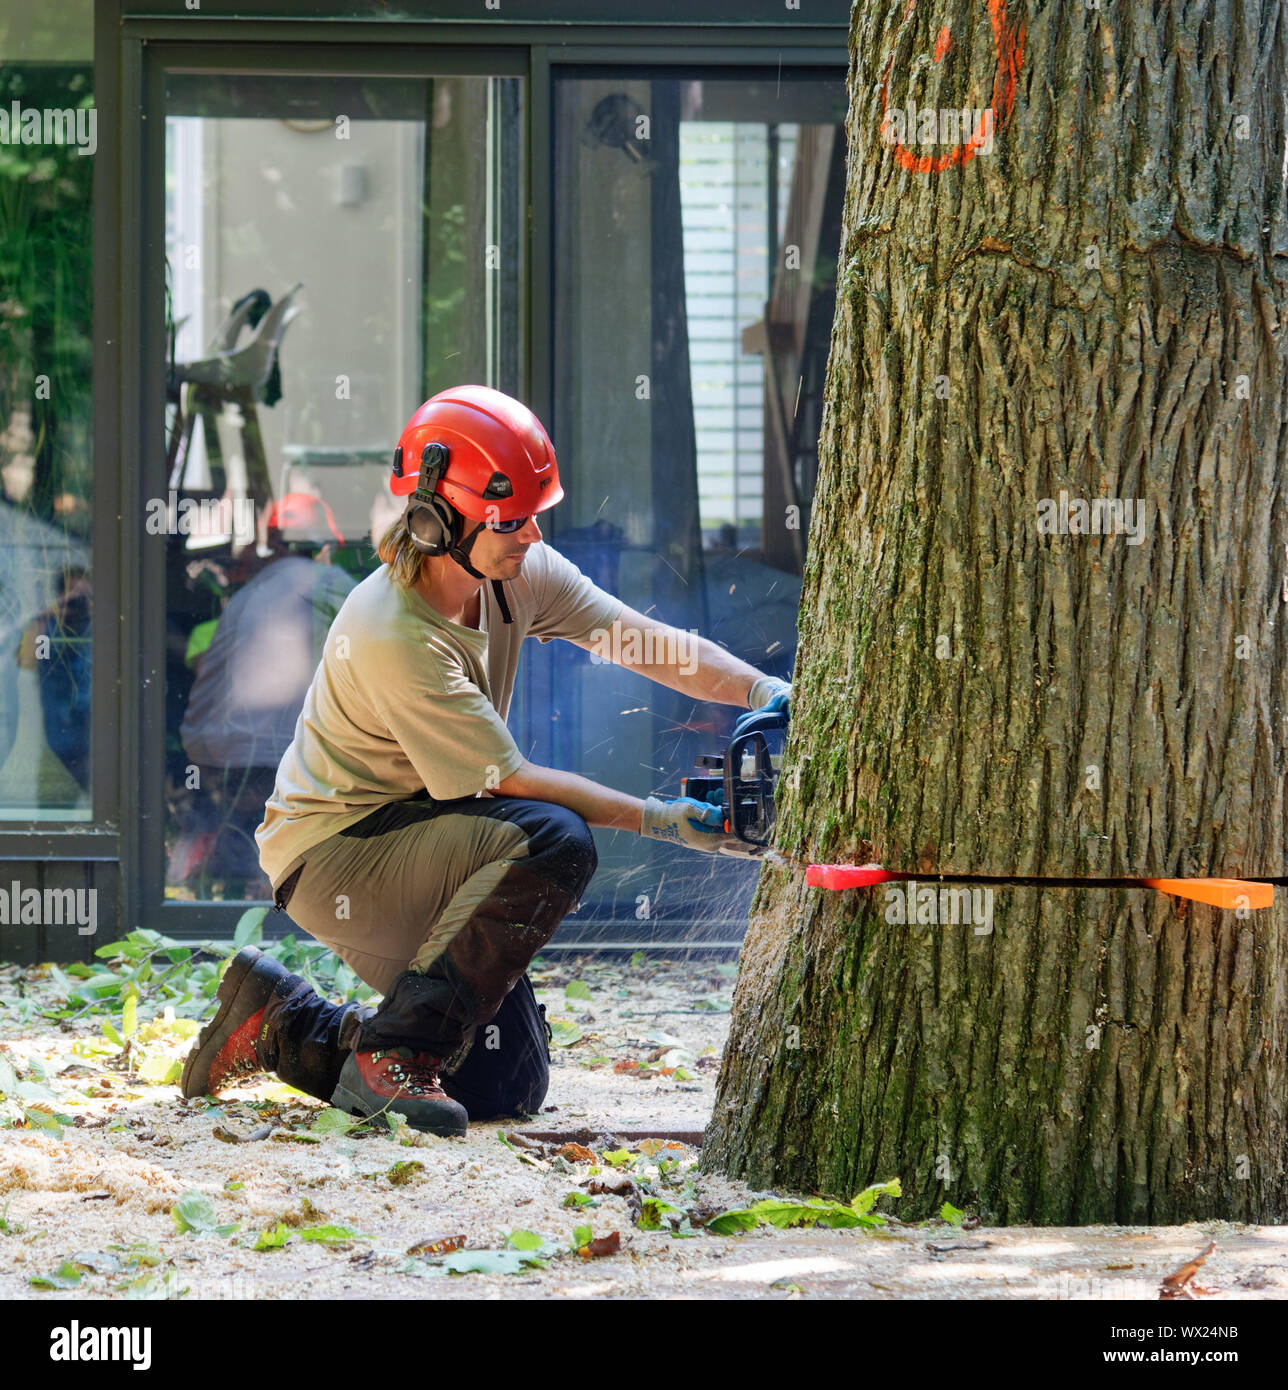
(577, 1153)
(1179, 1284)
(437, 1245)
(601, 1245)
(619, 1186)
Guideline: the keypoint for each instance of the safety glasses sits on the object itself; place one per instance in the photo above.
(505, 527)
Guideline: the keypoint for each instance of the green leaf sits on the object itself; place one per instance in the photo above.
(250, 927)
(619, 1158)
(156, 1285)
(651, 1214)
(579, 1199)
(33, 1090)
(405, 1171)
(730, 1223)
(111, 1034)
(8, 1076)
(817, 1211)
(140, 1254)
(130, 1015)
(51, 1124)
(577, 989)
(867, 1199)
(99, 1261)
(682, 1074)
(159, 1069)
(166, 1025)
(581, 1236)
(100, 985)
(951, 1214)
(66, 1276)
(193, 1212)
(274, 1239)
(524, 1240)
(491, 1261)
(333, 1121)
(328, 1235)
(565, 1032)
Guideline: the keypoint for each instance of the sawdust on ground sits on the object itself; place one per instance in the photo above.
(100, 1195)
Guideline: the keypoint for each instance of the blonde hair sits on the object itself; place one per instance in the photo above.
(397, 551)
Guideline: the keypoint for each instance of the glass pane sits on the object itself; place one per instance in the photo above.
(326, 273)
(696, 249)
(48, 136)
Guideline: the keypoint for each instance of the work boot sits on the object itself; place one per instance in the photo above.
(271, 1020)
(403, 1081)
(227, 1048)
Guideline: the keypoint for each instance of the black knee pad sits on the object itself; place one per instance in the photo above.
(562, 849)
(507, 1069)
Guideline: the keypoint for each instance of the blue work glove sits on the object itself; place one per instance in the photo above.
(768, 693)
(684, 821)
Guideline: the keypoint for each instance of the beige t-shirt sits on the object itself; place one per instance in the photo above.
(405, 701)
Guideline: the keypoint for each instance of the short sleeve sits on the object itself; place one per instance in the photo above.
(453, 737)
(569, 605)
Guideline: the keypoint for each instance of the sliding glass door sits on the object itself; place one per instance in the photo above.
(696, 229)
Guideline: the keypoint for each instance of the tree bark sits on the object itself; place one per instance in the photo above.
(1095, 307)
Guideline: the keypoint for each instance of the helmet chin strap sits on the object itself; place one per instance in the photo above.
(460, 552)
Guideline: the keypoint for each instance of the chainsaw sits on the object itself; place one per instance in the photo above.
(741, 781)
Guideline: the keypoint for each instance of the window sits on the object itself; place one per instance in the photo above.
(337, 250)
(695, 267)
(49, 135)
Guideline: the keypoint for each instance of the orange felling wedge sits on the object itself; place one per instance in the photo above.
(1217, 892)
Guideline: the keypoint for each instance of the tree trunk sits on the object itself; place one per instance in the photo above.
(1092, 308)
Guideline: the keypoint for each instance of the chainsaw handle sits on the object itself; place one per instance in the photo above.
(764, 780)
(756, 721)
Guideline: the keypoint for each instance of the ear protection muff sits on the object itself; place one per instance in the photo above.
(435, 526)
(432, 522)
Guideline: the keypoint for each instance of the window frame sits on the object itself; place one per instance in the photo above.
(130, 271)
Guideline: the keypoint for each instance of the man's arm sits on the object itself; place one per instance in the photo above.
(596, 805)
(681, 660)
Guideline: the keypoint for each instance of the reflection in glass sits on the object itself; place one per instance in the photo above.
(696, 244)
(338, 250)
(46, 410)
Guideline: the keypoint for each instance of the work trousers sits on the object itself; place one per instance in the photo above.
(440, 906)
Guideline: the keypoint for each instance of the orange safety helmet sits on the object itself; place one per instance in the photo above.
(499, 463)
(298, 512)
(472, 453)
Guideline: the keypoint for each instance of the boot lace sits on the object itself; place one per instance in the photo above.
(414, 1073)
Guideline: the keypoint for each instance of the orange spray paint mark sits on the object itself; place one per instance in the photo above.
(1008, 43)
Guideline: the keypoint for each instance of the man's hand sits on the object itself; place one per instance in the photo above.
(684, 821)
(767, 695)
(770, 693)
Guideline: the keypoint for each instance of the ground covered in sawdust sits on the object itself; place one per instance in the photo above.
(111, 1186)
